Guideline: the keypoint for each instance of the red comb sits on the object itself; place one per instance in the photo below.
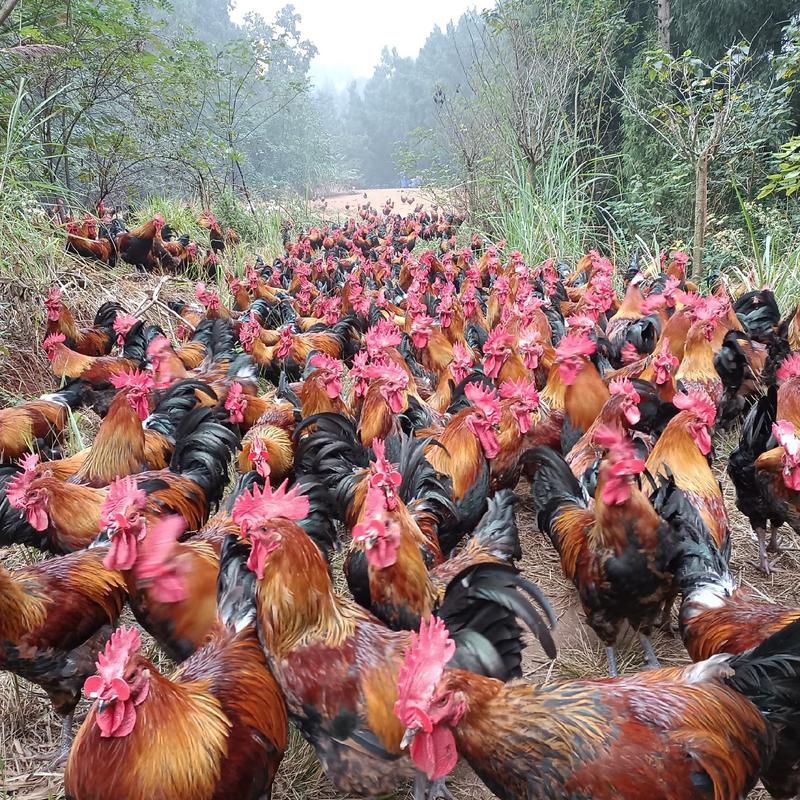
(262, 506)
(699, 403)
(575, 345)
(124, 642)
(484, 400)
(52, 340)
(623, 386)
(423, 666)
(327, 364)
(136, 379)
(390, 372)
(790, 368)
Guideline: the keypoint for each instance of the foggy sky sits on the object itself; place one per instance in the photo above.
(350, 34)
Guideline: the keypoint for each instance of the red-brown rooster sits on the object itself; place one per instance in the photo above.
(221, 712)
(683, 733)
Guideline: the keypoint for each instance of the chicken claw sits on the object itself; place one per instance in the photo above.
(57, 759)
(431, 790)
(764, 564)
(438, 789)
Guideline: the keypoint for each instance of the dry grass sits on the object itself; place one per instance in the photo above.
(28, 727)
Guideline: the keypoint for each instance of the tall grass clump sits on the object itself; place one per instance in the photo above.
(552, 211)
(769, 255)
(30, 244)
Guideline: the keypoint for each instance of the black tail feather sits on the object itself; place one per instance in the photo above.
(482, 609)
(236, 586)
(203, 452)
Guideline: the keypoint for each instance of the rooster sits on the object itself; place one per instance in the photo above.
(764, 464)
(718, 617)
(697, 371)
(220, 369)
(620, 324)
(402, 585)
(136, 246)
(222, 705)
(94, 341)
(67, 516)
(336, 664)
(96, 370)
(463, 451)
(691, 732)
(55, 616)
(125, 445)
(617, 554)
(633, 405)
(84, 241)
(38, 423)
(682, 451)
(585, 393)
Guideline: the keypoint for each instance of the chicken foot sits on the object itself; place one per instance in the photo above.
(764, 564)
(58, 758)
(665, 623)
(431, 790)
(649, 654)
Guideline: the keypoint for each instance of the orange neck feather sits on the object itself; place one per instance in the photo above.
(585, 397)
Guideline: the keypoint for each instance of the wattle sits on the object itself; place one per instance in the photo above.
(791, 478)
(117, 720)
(435, 753)
(122, 553)
(37, 518)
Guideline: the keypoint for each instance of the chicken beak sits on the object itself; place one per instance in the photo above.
(408, 737)
(102, 705)
(102, 538)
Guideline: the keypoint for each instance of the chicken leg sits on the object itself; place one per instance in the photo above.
(58, 758)
(774, 545)
(665, 623)
(764, 563)
(649, 653)
(612, 662)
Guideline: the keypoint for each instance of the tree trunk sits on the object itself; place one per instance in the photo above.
(700, 216)
(664, 19)
(6, 9)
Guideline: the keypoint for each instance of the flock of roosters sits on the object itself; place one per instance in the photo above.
(407, 396)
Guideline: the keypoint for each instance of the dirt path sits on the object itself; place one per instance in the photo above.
(347, 204)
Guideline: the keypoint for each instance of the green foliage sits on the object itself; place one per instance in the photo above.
(551, 214)
(787, 179)
(766, 253)
(710, 27)
(131, 102)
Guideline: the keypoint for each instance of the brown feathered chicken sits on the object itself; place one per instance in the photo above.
(718, 617)
(336, 664)
(38, 424)
(221, 712)
(683, 733)
(55, 616)
(96, 340)
(617, 554)
(68, 516)
(682, 451)
(136, 246)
